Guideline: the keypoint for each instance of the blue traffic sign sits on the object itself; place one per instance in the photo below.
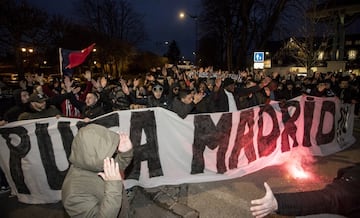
(258, 57)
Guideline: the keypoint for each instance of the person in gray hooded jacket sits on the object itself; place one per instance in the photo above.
(93, 185)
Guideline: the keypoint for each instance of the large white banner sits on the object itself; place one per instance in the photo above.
(170, 150)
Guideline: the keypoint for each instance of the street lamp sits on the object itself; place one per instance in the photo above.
(182, 15)
(27, 52)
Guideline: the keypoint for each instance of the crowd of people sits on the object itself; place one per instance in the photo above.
(182, 91)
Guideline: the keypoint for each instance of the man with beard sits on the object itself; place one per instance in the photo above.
(39, 107)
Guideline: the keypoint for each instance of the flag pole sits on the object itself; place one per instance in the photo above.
(61, 61)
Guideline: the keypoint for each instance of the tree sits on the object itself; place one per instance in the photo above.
(307, 51)
(120, 28)
(21, 26)
(60, 35)
(221, 20)
(173, 53)
(143, 61)
(115, 19)
(241, 26)
(207, 48)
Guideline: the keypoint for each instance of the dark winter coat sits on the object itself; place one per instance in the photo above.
(342, 197)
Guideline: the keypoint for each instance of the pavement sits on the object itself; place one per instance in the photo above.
(222, 199)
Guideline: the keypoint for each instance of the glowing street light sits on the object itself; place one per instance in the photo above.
(27, 57)
(29, 50)
(182, 15)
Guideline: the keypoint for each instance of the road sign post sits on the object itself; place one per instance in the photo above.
(259, 60)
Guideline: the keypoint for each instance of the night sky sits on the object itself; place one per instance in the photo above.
(161, 21)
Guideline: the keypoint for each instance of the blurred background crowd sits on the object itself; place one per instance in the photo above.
(202, 90)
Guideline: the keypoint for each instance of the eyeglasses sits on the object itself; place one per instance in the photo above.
(176, 89)
(157, 89)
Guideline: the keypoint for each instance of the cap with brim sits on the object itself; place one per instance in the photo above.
(228, 81)
(37, 98)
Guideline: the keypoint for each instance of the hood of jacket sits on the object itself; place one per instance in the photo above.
(91, 145)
